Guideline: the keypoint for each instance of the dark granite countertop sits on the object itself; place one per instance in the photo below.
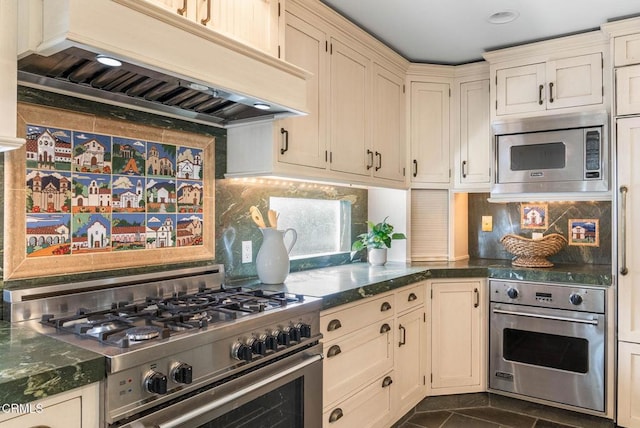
(34, 366)
(343, 284)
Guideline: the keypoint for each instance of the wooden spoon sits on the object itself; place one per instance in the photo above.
(273, 218)
(256, 215)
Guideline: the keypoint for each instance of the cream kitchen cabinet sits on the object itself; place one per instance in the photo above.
(458, 336)
(350, 99)
(429, 134)
(410, 349)
(628, 385)
(627, 47)
(628, 138)
(472, 159)
(628, 90)
(358, 348)
(78, 408)
(387, 157)
(252, 22)
(555, 84)
(9, 81)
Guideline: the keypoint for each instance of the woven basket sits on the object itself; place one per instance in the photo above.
(533, 252)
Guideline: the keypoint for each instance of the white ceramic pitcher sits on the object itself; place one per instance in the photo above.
(272, 262)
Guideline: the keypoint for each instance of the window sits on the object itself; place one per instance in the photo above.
(323, 226)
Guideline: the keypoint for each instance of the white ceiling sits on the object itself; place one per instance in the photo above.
(457, 31)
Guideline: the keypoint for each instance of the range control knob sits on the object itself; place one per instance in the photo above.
(259, 345)
(271, 341)
(155, 382)
(294, 333)
(512, 293)
(241, 352)
(305, 329)
(575, 299)
(284, 338)
(182, 373)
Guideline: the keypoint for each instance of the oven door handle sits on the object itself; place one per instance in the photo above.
(547, 317)
(186, 417)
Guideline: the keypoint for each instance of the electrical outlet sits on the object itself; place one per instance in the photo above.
(487, 223)
(246, 252)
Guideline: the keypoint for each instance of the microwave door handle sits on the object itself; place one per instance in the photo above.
(546, 317)
(623, 230)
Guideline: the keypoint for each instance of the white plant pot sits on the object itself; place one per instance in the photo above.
(377, 256)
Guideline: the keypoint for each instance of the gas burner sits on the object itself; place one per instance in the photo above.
(142, 333)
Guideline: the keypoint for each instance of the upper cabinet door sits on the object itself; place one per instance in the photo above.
(349, 109)
(388, 123)
(627, 50)
(575, 81)
(628, 90)
(520, 89)
(475, 135)
(429, 129)
(305, 47)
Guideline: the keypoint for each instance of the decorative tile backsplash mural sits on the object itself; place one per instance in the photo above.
(92, 193)
(585, 225)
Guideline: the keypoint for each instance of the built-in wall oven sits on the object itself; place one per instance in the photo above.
(547, 341)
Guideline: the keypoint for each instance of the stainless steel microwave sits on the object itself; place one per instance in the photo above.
(565, 153)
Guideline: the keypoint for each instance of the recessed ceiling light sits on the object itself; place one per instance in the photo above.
(107, 60)
(262, 106)
(503, 17)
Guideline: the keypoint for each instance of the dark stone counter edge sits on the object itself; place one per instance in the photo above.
(47, 383)
(510, 273)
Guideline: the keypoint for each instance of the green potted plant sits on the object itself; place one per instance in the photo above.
(376, 241)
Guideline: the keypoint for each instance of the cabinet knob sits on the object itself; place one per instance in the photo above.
(384, 328)
(412, 297)
(385, 307)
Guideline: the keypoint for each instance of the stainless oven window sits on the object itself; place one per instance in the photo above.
(281, 407)
(538, 156)
(546, 350)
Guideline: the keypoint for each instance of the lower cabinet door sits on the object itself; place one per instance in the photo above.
(367, 408)
(410, 367)
(628, 385)
(65, 414)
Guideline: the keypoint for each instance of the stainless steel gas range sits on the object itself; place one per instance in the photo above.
(183, 349)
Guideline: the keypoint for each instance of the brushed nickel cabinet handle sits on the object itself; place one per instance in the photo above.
(285, 141)
(183, 10)
(208, 18)
(384, 328)
(333, 351)
(387, 381)
(540, 89)
(335, 415)
(385, 307)
(334, 325)
(623, 230)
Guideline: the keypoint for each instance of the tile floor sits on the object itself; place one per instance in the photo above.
(485, 410)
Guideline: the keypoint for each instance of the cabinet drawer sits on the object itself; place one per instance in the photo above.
(627, 50)
(370, 407)
(66, 414)
(335, 324)
(628, 90)
(409, 298)
(357, 359)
